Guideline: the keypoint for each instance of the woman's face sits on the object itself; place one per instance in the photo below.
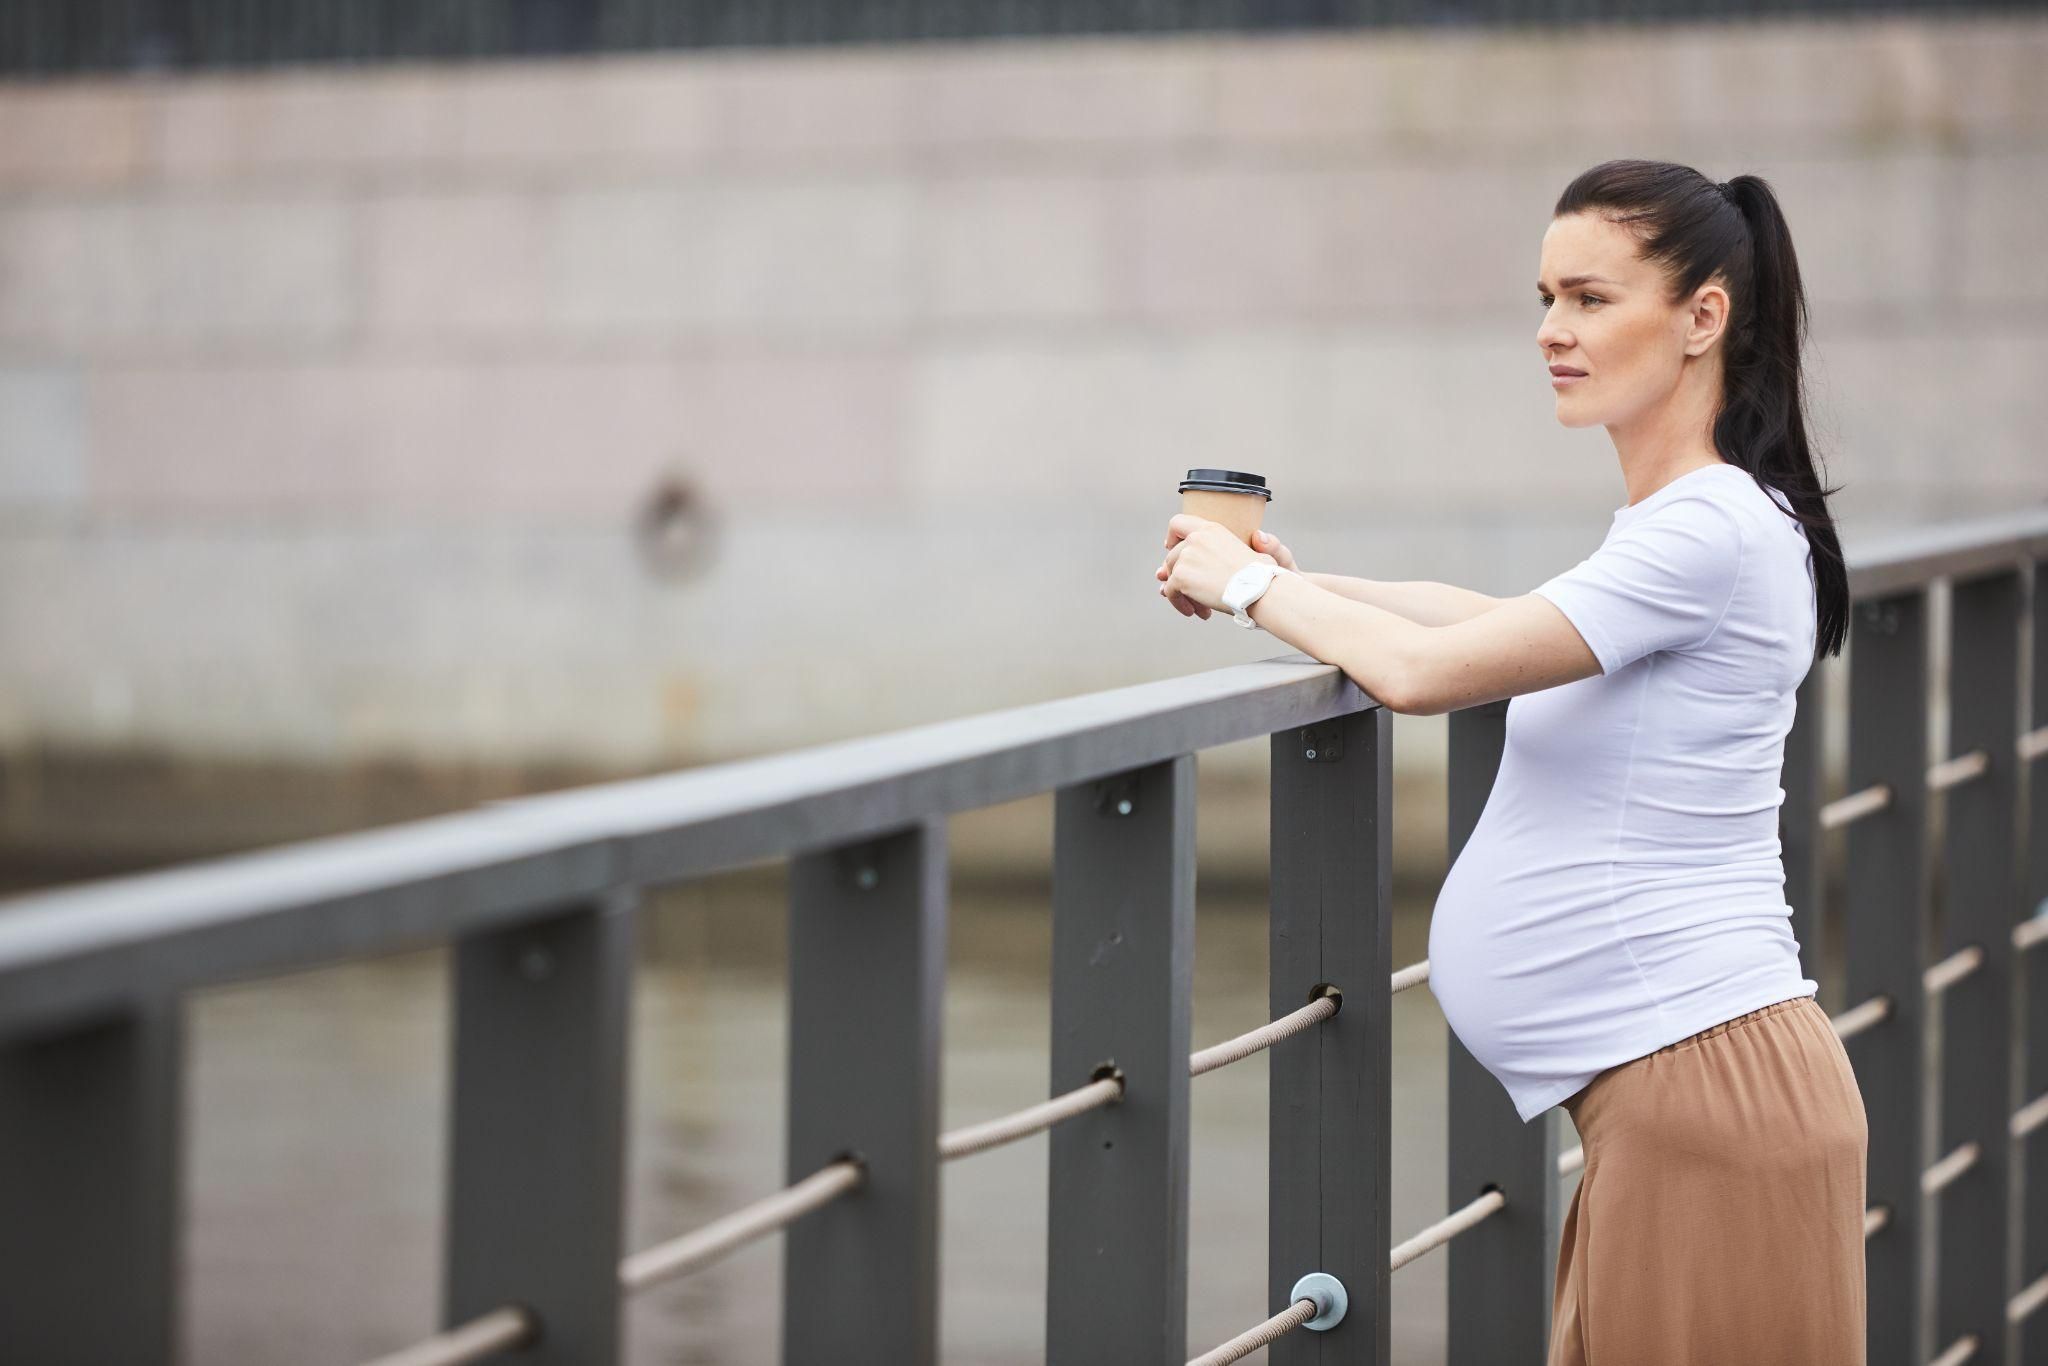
(1605, 314)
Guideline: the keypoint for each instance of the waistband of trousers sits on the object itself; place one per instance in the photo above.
(1728, 1026)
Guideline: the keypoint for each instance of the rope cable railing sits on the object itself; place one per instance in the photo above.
(1264, 1037)
(1267, 1333)
(1858, 1018)
(2027, 1301)
(703, 1246)
(1941, 776)
(501, 1330)
(994, 1133)
(1318, 1303)
(1855, 806)
(2030, 932)
(2030, 1116)
(1957, 771)
(1445, 1229)
(1952, 969)
(2034, 743)
(1945, 1172)
(1414, 975)
(1875, 1219)
(1959, 1351)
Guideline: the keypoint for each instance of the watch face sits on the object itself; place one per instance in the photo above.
(1243, 584)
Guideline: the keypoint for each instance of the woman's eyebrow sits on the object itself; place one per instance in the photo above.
(1571, 280)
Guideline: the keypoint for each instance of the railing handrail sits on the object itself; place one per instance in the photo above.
(1909, 557)
(74, 950)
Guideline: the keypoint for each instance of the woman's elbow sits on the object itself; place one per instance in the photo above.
(1398, 690)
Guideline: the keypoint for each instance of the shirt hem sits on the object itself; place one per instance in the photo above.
(1663, 1037)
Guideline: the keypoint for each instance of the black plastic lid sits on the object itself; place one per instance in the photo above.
(1227, 481)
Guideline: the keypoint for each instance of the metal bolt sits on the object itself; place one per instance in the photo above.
(867, 878)
(1311, 754)
(1328, 1294)
(1123, 806)
(536, 964)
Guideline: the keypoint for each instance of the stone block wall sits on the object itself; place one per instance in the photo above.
(330, 400)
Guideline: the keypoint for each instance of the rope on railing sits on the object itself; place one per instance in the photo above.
(483, 1336)
(2027, 1301)
(1570, 1160)
(1856, 805)
(2030, 1116)
(1414, 975)
(1273, 1329)
(1959, 1351)
(1875, 1218)
(741, 1227)
(993, 1133)
(2030, 932)
(2034, 743)
(1943, 1174)
(1244, 1045)
(715, 1240)
(1953, 772)
(1318, 1303)
(1952, 969)
(1856, 1019)
(1445, 1229)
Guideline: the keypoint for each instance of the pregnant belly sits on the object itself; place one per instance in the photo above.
(1523, 976)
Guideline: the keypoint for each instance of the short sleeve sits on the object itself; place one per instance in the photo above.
(1661, 582)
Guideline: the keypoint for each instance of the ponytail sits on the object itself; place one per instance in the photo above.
(1699, 229)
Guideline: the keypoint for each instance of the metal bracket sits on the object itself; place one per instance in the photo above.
(1322, 743)
(1116, 796)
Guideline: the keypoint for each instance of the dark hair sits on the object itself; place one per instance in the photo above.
(1698, 229)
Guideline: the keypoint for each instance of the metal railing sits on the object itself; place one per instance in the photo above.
(539, 896)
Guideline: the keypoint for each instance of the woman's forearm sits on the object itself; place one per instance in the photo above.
(1429, 604)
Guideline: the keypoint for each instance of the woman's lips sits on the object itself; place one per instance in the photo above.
(1560, 381)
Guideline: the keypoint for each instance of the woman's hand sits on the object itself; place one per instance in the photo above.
(1270, 544)
(1200, 558)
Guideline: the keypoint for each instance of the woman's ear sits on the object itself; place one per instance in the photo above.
(1709, 319)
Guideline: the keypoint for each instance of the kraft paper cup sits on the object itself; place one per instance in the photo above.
(1234, 498)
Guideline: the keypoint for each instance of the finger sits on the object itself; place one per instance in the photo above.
(1266, 541)
(1183, 524)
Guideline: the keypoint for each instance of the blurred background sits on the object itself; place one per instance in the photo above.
(403, 405)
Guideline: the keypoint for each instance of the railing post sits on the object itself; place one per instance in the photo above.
(1329, 1113)
(1980, 861)
(2033, 1332)
(1501, 1271)
(867, 979)
(1886, 933)
(537, 1127)
(1799, 833)
(1123, 952)
(89, 1141)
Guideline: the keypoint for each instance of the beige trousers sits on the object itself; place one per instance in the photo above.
(1719, 1221)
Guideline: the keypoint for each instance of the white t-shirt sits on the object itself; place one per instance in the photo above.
(1623, 888)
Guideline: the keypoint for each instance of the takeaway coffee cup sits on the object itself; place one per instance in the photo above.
(1232, 497)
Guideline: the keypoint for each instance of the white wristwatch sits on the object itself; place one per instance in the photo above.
(1247, 586)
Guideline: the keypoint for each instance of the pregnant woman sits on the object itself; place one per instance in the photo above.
(1614, 936)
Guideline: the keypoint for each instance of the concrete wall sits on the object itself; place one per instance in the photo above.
(329, 399)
